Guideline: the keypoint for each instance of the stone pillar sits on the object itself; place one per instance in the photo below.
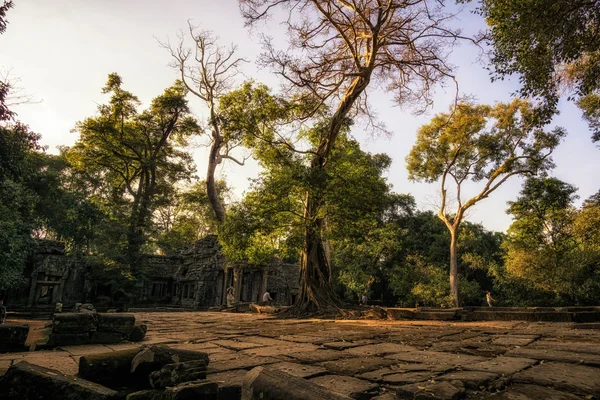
(226, 275)
(238, 273)
(32, 290)
(263, 283)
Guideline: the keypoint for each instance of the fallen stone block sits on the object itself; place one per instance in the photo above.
(436, 315)
(152, 358)
(431, 391)
(121, 323)
(199, 390)
(74, 322)
(112, 368)
(28, 381)
(13, 337)
(138, 333)
(105, 337)
(174, 374)
(474, 380)
(230, 383)
(67, 339)
(263, 383)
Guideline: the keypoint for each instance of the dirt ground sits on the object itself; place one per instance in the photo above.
(372, 358)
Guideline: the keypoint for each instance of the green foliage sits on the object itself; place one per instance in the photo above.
(548, 43)
(590, 105)
(552, 248)
(129, 162)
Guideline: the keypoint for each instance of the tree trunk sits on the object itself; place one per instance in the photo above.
(316, 289)
(454, 268)
(211, 188)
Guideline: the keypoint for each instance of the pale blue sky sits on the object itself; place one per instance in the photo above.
(63, 50)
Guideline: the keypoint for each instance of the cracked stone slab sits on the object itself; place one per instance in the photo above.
(243, 362)
(300, 370)
(430, 391)
(317, 356)
(273, 351)
(576, 347)
(354, 366)
(474, 380)
(510, 340)
(379, 349)
(435, 357)
(502, 365)
(347, 345)
(381, 374)
(235, 345)
(578, 379)
(532, 392)
(346, 385)
(556, 355)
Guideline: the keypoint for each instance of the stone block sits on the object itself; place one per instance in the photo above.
(121, 323)
(436, 315)
(153, 357)
(502, 365)
(138, 333)
(400, 313)
(230, 383)
(112, 368)
(299, 370)
(13, 337)
(74, 322)
(28, 381)
(353, 366)
(105, 337)
(556, 355)
(68, 339)
(199, 390)
(263, 383)
(174, 374)
(586, 316)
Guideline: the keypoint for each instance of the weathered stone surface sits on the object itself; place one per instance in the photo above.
(236, 345)
(501, 365)
(230, 383)
(475, 380)
(273, 351)
(431, 391)
(241, 362)
(74, 322)
(346, 385)
(572, 378)
(354, 366)
(105, 337)
(556, 355)
(406, 378)
(108, 368)
(436, 315)
(122, 323)
(138, 333)
(153, 357)
(379, 349)
(299, 370)
(532, 392)
(400, 313)
(68, 339)
(347, 345)
(435, 357)
(174, 374)
(13, 337)
(562, 345)
(510, 340)
(263, 383)
(318, 356)
(200, 390)
(413, 371)
(27, 381)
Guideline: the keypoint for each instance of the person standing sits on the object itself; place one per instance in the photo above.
(489, 298)
(363, 299)
(230, 296)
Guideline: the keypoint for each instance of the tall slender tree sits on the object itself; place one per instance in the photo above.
(208, 70)
(338, 48)
(481, 144)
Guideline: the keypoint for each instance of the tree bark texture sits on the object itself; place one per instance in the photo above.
(454, 292)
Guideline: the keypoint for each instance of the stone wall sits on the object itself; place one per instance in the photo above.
(198, 277)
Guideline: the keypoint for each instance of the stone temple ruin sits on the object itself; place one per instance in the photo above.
(198, 277)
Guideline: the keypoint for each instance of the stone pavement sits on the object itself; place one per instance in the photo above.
(372, 359)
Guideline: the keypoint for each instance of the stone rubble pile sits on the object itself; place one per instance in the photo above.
(91, 327)
(153, 372)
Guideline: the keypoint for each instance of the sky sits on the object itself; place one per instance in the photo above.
(63, 51)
